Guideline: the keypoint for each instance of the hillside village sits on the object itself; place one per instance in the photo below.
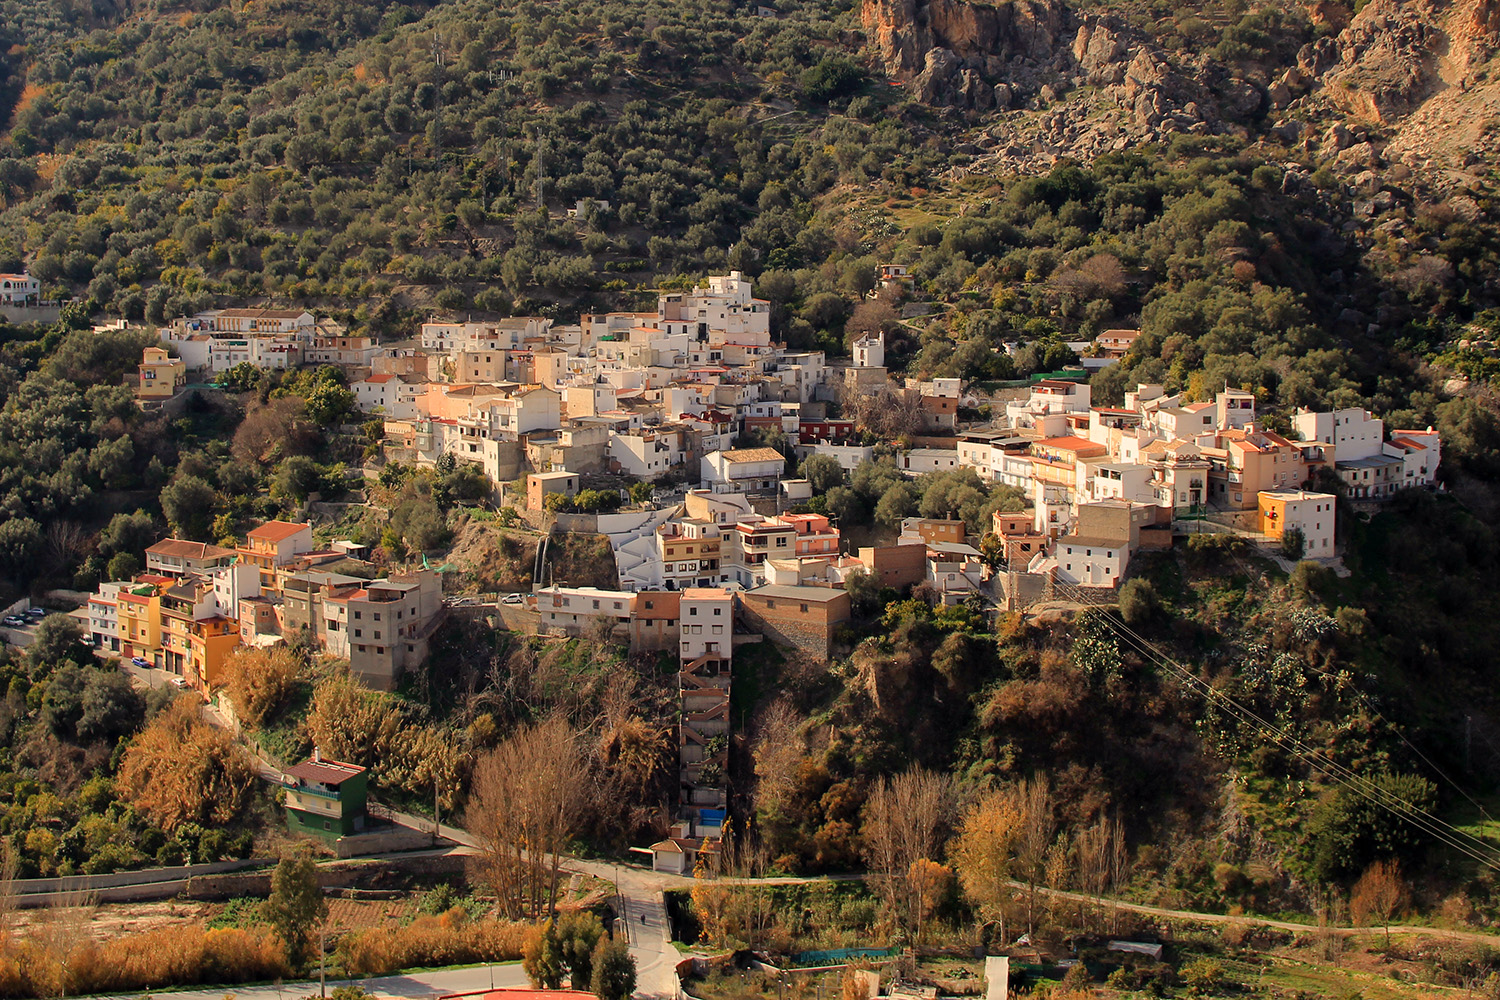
(731, 544)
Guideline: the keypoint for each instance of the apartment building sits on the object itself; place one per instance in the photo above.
(1313, 514)
(690, 554)
(104, 621)
(384, 626)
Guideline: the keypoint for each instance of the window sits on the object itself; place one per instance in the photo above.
(377, 616)
(804, 607)
(718, 611)
(359, 634)
(358, 615)
(361, 649)
(377, 633)
(693, 612)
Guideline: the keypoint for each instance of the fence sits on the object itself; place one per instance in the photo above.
(835, 955)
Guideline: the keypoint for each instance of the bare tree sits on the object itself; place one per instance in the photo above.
(903, 825)
(1094, 849)
(1036, 829)
(524, 807)
(1379, 894)
(776, 748)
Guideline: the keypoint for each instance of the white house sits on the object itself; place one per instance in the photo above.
(648, 454)
(1049, 396)
(1313, 514)
(1121, 481)
(1089, 562)
(743, 470)
(504, 334)
(869, 352)
(574, 609)
(270, 350)
(394, 396)
(707, 617)
(19, 290)
(1421, 452)
(849, 456)
(920, 461)
(1354, 433)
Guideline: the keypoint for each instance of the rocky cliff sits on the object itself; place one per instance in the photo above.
(1416, 77)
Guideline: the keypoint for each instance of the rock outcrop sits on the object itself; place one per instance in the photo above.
(981, 37)
(1420, 75)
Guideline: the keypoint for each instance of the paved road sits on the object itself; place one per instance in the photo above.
(414, 985)
(1475, 937)
(640, 896)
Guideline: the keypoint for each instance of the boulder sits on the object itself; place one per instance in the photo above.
(936, 78)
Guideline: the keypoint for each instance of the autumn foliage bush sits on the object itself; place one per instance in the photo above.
(259, 681)
(448, 939)
(182, 770)
(66, 965)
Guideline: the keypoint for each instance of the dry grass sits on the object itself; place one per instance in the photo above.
(53, 964)
(450, 939)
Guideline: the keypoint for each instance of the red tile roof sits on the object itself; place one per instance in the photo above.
(187, 550)
(326, 772)
(276, 531)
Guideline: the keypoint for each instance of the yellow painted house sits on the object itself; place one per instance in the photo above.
(162, 375)
(138, 612)
(195, 636)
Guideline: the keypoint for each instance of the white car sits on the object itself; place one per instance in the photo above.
(177, 682)
(512, 599)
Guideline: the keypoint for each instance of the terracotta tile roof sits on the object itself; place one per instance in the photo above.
(754, 455)
(187, 550)
(326, 772)
(276, 531)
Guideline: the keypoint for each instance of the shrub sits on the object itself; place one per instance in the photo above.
(259, 681)
(1202, 975)
(1138, 602)
(182, 770)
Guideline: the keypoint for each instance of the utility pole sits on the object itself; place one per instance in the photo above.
(437, 817)
(322, 961)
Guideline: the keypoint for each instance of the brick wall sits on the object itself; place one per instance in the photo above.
(785, 623)
(896, 565)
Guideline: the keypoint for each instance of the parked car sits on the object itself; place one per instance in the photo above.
(14, 621)
(177, 682)
(511, 599)
(36, 614)
(141, 662)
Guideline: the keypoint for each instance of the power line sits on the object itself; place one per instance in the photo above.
(1370, 704)
(1458, 840)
